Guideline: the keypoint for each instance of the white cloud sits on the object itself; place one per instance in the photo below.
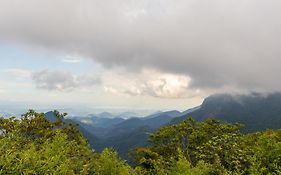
(149, 83)
(86, 121)
(71, 59)
(112, 90)
(19, 73)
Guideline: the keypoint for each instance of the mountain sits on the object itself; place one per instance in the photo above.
(105, 115)
(153, 122)
(134, 132)
(123, 134)
(256, 111)
(93, 140)
(173, 113)
(98, 122)
(188, 111)
(126, 115)
(51, 116)
(126, 141)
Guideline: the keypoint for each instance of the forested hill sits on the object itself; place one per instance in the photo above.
(120, 134)
(35, 145)
(256, 111)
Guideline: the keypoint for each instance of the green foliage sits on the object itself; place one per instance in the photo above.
(35, 145)
(210, 147)
(183, 167)
(109, 164)
(57, 155)
(266, 152)
(195, 139)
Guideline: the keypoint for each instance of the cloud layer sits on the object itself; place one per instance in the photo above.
(148, 83)
(215, 43)
(62, 80)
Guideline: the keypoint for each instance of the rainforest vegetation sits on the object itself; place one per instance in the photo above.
(35, 145)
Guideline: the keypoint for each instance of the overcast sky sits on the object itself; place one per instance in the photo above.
(159, 54)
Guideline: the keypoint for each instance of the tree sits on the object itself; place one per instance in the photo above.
(212, 143)
(34, 145)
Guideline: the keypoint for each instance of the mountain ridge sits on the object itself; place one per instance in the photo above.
(256, 111)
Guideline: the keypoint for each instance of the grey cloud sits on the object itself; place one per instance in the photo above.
(61, 80)
(87, 80)
(217, 43)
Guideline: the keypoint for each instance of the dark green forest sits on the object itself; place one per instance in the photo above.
(35, 145)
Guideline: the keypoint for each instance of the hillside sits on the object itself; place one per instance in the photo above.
(256, 111)
(33, 144)
(122, 134)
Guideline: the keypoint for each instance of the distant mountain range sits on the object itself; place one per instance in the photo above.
(122, 134)
(256, 111)
(106, 130)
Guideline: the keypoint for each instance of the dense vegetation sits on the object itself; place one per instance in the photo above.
(35, 145)
(256, 111)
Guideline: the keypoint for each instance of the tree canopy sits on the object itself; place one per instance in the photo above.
(35, 145)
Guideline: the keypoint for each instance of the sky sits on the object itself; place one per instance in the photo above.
(136, 54)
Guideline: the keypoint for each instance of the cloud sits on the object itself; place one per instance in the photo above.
(2, 91)
(62, 80)
(216, 43)
(112, 90)
(86, 121)
(72, 60)
(19, 73)
(149, 83)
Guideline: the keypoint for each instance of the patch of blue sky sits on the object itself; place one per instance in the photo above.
(15, 57)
